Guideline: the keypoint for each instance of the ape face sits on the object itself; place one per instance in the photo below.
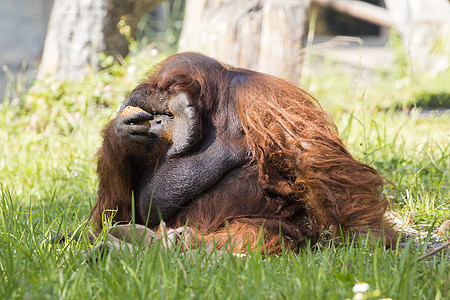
(230, 151)
(173, 122)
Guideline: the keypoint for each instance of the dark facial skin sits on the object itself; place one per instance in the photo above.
(189, 160)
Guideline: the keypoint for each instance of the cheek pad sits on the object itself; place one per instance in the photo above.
(185, 130)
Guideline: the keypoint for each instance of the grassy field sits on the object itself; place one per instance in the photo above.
(48, 140)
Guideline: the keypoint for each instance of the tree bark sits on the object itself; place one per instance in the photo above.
(261, 35)
(424, 27)
(80, 29)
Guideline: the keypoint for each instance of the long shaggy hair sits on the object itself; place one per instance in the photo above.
(299, 153)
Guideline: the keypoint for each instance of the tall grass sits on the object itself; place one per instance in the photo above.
(31, 267)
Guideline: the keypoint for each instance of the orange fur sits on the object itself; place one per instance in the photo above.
(302, 180)
(293, 138)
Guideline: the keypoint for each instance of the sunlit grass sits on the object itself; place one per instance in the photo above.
(31, 267)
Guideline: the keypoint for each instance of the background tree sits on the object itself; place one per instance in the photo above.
(260, 35)
(80, 29)
(424, 27)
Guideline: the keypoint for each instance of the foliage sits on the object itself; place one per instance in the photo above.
(433, 100)
(48, 140)
(162, 28)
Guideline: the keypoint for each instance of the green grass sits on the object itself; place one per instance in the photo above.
(48, 140)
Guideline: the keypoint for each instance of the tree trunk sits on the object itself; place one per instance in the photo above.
(424, 26)
(261, 35)
(80, 29)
